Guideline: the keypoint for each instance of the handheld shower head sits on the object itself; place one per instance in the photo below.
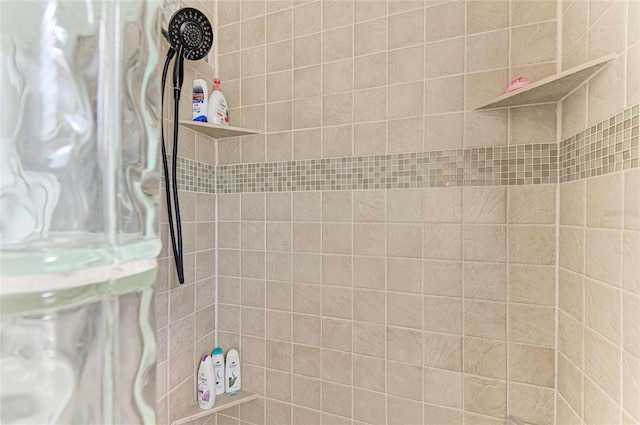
(190, 35)
(190, 30)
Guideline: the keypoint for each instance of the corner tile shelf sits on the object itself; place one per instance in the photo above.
(551, 89)
(217, 131)
(223, 402)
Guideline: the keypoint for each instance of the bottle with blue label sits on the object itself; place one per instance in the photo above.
(217, 356)
(232, 374)
(200, 100)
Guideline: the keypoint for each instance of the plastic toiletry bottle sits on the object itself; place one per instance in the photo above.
(218, 369)
(218, 109)
(206, 383)
(232, 381)
(200, 100)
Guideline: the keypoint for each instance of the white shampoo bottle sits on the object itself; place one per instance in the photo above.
(206, 383)
(218, 369)
(218, 109)
(232, 381)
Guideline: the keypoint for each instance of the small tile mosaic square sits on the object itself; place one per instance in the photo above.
(609, 146)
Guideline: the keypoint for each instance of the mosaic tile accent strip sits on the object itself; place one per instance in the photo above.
(194, 176)
(609, 146)
(491, 166)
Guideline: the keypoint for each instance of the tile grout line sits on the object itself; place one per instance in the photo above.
(506, 231)
(462, 227)
(386, 221)
(559, 107)
(422, 216)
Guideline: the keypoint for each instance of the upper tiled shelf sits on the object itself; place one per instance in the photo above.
(217, 131)
(551, 89)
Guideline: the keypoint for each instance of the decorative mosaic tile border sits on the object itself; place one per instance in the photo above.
(609, 146)
(491, 166)
(194, 176)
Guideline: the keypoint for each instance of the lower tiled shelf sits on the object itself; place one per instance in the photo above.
(223, 401)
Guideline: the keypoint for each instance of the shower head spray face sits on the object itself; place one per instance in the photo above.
(190, 30)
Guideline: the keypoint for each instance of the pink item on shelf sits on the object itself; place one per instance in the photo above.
(516, 84)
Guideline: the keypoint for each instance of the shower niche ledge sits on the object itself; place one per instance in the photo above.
(217, 131)
(551, 89)
(223, 401)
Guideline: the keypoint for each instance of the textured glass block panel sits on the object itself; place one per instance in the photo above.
(82, 355)
(79, 134)
(79, 181)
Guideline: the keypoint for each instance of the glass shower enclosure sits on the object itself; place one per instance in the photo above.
(79, 180)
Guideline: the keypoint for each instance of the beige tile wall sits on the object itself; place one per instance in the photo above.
(338, 78)
(423, 303)
(599, 249)
(185, 314)
(592, 29)
(599, 300)
(386, 306)
(342, 313)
